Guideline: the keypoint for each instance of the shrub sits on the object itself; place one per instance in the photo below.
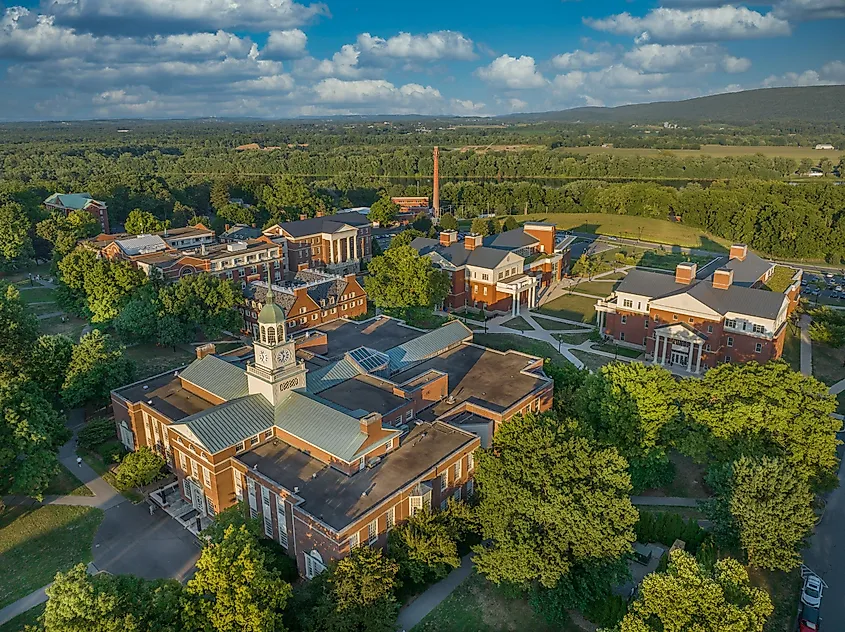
(111, 451)
(666, 527)
(139, 468)
(96, 432)
(650, 471)
(606, 612)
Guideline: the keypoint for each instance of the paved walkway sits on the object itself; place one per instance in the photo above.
(417, 610)
(664, 501)
(806, 345)
(837, 388)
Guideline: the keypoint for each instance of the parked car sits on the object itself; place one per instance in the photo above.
(808, 620)
(811, 595)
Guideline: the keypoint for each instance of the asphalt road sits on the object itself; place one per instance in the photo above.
(826, 557)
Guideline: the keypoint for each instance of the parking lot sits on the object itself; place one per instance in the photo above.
(828, 289)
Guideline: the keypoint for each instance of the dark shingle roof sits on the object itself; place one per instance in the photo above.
(651, 284)
(242, 231)
(746, 273)
(512, 239)
(458, 255)
(327, 224)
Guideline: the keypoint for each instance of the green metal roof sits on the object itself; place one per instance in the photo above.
(271, 314)
(70, 200)
(217, 376)
(427, 346)
(330, 375)
(228, 424)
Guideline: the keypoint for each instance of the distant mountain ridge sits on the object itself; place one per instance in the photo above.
(810, 104)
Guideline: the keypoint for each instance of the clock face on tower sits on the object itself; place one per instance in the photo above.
(283, 356)
(262, 355)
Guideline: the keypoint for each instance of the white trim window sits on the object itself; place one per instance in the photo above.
(265, 512)
(183, 462)
(372, 532)
(253, 501)
(313, 564)
(470, 487)
(758, 347)
(471, 461)
(281, 518)
(457, 495)
(458, 470)
(390, 521)
(354, 541)
(206, 477)
(444, 481)
(239, 488)
(194, 469)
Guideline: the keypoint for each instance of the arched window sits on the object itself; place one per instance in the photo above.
(271, 335)
(263, 333)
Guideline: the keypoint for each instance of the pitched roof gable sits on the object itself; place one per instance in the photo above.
(217, 376)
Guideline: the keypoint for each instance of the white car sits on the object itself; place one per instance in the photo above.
(812, 592)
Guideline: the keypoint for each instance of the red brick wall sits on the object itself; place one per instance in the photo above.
(545, 237)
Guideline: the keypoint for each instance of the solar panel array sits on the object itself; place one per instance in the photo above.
(370, 360)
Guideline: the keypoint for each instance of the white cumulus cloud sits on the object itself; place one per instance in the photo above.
(287, 44)
(804, 10)
(684, 58)
(579, 59)
(516, 73)
(706, 24)
(428, 46)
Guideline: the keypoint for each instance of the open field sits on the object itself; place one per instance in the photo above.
(152, 360)
(19, 623)
(609, 347)
(596, 288)
(591, 361)
(792, 347)
(630, 227)
(64, 483)
(515, 342)
(36, 543)
(577, 308)
(572, 338)
(518, 323)
(479, 606)
(38, 295)
(828, 363)
(718, 151)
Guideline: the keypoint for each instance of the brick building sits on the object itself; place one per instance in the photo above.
(328, 457)
(127, 247)
(500, 272)
(68, 202)
(695, 319)
(311, 299)
(335, 243)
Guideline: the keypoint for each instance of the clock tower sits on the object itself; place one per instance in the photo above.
(274, 372)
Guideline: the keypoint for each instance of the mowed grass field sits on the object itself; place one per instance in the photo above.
(719, 151)
(630, 227)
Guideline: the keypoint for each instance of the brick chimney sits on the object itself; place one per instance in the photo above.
(206, 350)
(370, 423)
(739, 251)
(472, 241)
(448, 237)
(685, 272)
(723, 278)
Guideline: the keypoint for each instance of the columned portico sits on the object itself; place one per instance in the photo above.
(515, 286)
(678, 347)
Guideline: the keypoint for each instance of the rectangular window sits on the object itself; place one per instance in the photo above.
(709, 329)
(470, 487)
(353, 541)
(759, 329)
(183, 462)
(458, 471)
(391, 518)
(457, 495)
(444, 504)
(758, 347)
(692, 320)
(206, 477)
(194, 469)
(313, 567)
(415, 504)
(239, 490)
(627, 303)
(444, 481)
(622, 336)
(372, 531)
(730, 322)
(470, 461)
(624, 319)
(707, 347)
(730, 341)
(410, 415)
(282, 520)
(674, 317)
(646, 323)
(253, 502)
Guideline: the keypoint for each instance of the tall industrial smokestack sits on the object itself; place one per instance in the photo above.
(435, 201)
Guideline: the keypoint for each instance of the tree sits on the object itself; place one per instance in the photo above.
(49, 362)
(402, 278)
(139, 320)
(64, 231)
(422, 222)
(550, 499)
(480, 226)
(404, 238)
(509, 224)
(767, 508)
(586, 266)
(383, 211)
(448, 222)
(143, 222)
(15, 242)
(686, 597)
(235, 516)
(97, 366)
(30, 434)
(111, 603)
(19, 330)
(423, 548)
(359, 594)
(202, 302)
(219, 194)
(233, 590)
(139, 468)
(761, 410)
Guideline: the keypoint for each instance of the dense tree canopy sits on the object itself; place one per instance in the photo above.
(49, 361)
(383, 211)
(143, 222)
(65, 231)
(687, 597)
(96, 367)
(424, 548)
(15, 236)
(402, 278)
(550, 499)
(19, 330)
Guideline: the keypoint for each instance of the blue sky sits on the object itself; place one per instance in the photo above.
(77, 59)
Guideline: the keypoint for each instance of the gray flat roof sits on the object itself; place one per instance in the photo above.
(338, 499)
(380, 334)
(477, 373)
(168, 396)
(360, 393)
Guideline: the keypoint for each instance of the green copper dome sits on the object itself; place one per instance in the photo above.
(271, 314)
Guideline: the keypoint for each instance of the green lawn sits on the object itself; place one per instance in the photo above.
(792, 347)
(828, 363)
(479, 606)
(631, 227)
(574, 339)
(688, 481)
(38, 295)
(64, 483)
(152, 360)
(785, 590)
(596, 288)
(21, 277)
(553, 325)
(104, 470)
(44, 308)
(578, 308)
(72, 326)
(591, 360)
(515, 342)
(19, 623)
(37, 543)
(518, 323)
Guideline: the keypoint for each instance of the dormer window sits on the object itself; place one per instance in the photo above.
(420, 497)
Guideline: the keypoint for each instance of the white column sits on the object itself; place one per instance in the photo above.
(698, 363)
(689, 360)
(656, 347)
(331, 250)
(665, 348)
(356, 246)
